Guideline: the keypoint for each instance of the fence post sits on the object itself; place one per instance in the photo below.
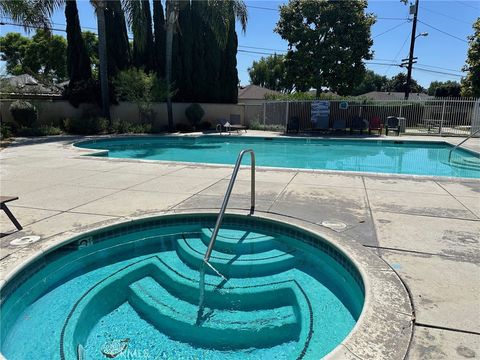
(264, 113)
(400, 110)
(443, 117)
(286, 117)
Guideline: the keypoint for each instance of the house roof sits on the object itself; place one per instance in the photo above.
(27, 84)
(254, 92)
(394, 95)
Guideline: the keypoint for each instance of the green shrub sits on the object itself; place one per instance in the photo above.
(194, 114)
(184, 128)
(204, 125)
(43, 130)
(5, 131)
(125, 127)
(85, 91)
(120, 126)
(256, 125)
(87, 126)
(24, 113)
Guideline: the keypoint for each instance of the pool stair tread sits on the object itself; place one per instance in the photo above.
(191, 251)
(468, 164)
(233, 241)
(213, 327)
(109, 293)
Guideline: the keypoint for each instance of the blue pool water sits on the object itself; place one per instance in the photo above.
(378, 156)
(133, 291)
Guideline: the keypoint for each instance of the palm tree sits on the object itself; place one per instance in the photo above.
(30, 13)
(33, 13)
(100, 6)
(218, 14)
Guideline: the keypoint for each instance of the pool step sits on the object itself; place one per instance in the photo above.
(240, 242)
(213, 328)
(192, 251)
(468, 164)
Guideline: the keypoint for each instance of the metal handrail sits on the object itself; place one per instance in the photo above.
(458, 145)
(227, 197)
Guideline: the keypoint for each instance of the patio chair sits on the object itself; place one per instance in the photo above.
(393, 124)
(322, 125)
(235, 123)
(358, 124)
(293, 125)
(3, 201)
(340, 125)
(375, 124)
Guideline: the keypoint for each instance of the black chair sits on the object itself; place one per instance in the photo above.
(358, 124)
(293, 125)
(393, 124)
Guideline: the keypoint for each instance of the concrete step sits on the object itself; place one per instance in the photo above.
(212, 328)
(192, 251)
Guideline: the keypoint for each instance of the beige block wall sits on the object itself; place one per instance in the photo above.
(53, 111)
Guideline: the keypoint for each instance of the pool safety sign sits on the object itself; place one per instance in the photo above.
(320, 112)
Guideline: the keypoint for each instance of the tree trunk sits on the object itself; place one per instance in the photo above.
(102, 57)
(171, 20)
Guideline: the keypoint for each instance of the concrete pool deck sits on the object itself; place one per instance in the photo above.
(428, 230)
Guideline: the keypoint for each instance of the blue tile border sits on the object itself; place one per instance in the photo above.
(203, 220)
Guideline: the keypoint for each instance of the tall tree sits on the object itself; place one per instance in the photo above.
(216, 14)
(118, 47)
(91, 47)
(100, 6)
(30, 13)
(184, 68)
(270, 72)
(199, 47)
(140, 21)
(159, 35)
(328, 40)
(212, 61)
(229, 73)
(398, 83)
(78, 62)
(471, 83)
(444, 89)
(370, 82)
(43, 56)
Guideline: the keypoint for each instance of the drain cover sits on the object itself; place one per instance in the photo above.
(25, 240)
(114, 348)
(334, 225)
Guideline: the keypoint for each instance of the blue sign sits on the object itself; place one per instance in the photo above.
(320, 113)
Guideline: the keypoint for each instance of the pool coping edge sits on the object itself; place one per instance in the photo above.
(387, 304)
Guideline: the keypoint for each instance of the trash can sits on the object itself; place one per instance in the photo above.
(402, 123)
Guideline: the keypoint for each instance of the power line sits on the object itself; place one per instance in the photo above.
(391, 18)
(467, 4)
(398, 53)
(261, 8)
(253, 52)
(441, 68)
(31, 26)
(260, 48)
(437, 72)
(444, 15)
(391, 29)
(278, 9)
(443, 32)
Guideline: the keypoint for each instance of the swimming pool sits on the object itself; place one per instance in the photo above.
(132, 291)
(377, 156)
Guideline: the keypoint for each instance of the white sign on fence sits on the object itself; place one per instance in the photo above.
(320, 112)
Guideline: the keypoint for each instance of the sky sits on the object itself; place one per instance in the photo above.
(441, 54)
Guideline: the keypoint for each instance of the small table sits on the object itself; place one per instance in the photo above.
(433, 123)
(3, 201)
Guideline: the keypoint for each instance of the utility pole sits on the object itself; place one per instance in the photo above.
(412, 47)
